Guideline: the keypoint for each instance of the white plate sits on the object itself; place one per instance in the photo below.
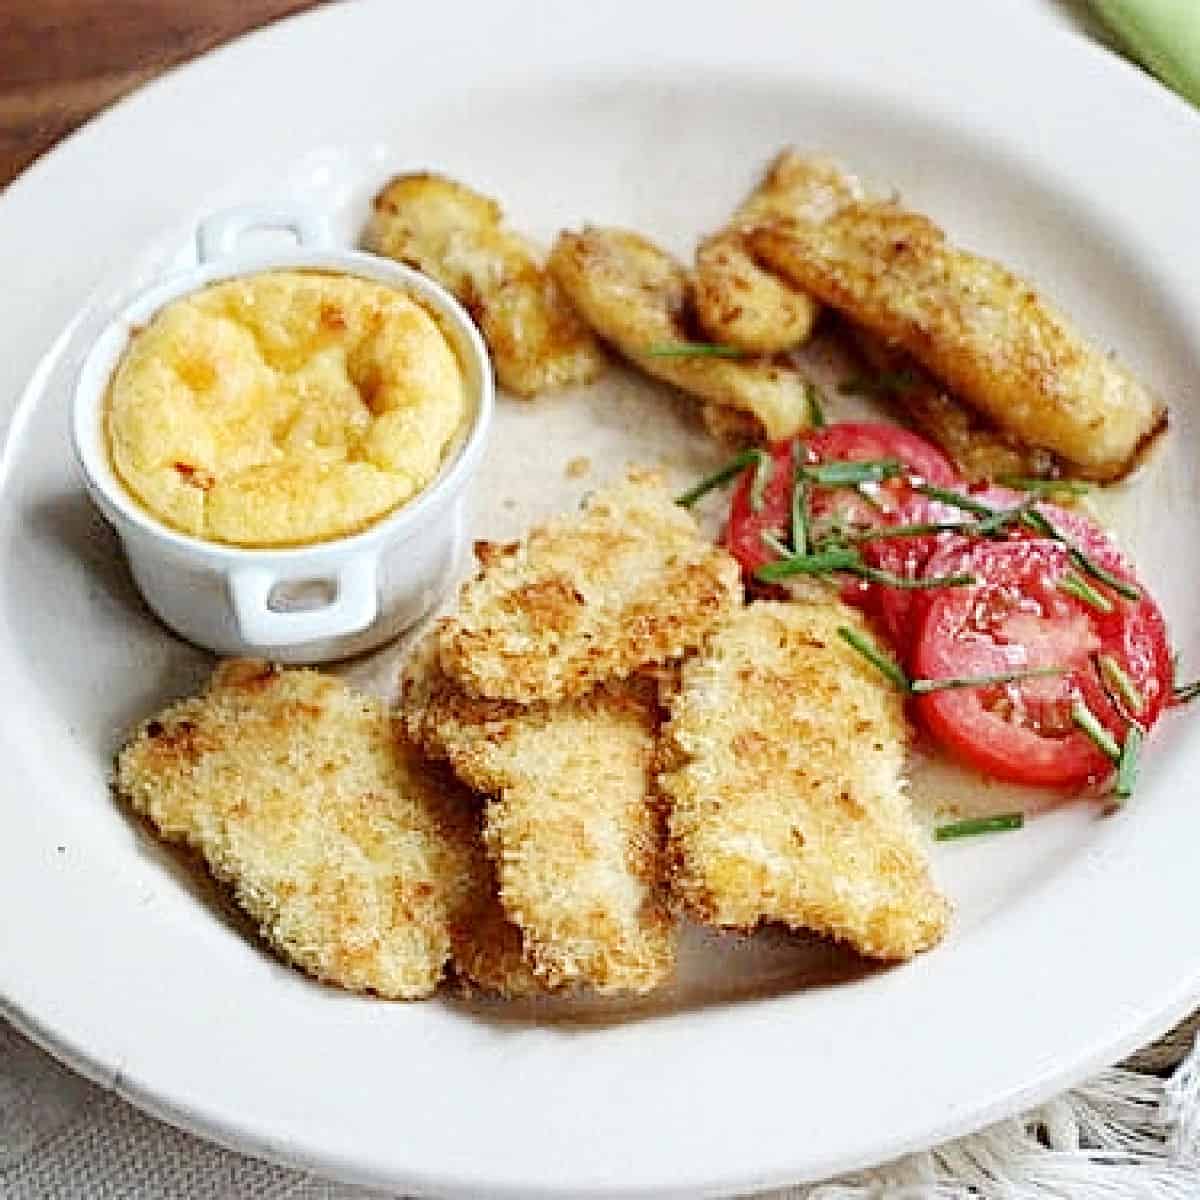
(1073, 941)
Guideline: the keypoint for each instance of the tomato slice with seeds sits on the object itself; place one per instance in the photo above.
(850, 441)
(1015, 617)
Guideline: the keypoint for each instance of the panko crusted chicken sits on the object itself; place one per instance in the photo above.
(982, 331)
(635, 296)
(628, 581)
(360, 863)
(572, 825)
(784, 758)
(738, 301)
(456, 236)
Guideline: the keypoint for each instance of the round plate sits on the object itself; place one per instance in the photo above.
(1073, 941)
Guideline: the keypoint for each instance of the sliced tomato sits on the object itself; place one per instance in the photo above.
(1014, 617)
(858, 441)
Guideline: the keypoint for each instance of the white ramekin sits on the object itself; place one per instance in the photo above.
(232, 600)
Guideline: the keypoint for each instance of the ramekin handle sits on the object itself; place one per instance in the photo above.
(354, 606)
(218, 236)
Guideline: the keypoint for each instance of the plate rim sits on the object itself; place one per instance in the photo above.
(59, 1042)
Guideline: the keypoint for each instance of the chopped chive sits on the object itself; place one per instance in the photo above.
(887, 383)
(873, 501)
(966, 503)
(1114, 674)
(974, 826)
(1185, 693)
(922, 686)
(735, 466)
(1002, 519)
(847, 474)
(692, 350)
(772, 542)
(1086, 720)
(764, 468)
(799, 513)
(808, 564)
(884, 663)
(907, 583)
(1127, 764)
(1075, 585)
(1038, 520)
(1047, 487)
(883, 532)
(816, 414)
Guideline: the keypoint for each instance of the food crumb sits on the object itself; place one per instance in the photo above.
(509, 504)
(577, 468)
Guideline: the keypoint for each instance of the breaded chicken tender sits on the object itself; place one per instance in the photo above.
(360, 863)
(588, 597)
(988, 335)
(740, 303)
(978, 448)
(456, 236)
(784, 759)
(572, 826)
(635, 296)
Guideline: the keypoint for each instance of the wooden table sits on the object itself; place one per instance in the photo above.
(63, 60)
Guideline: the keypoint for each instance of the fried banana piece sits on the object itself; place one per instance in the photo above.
(627, 581)
(975, 326)
(740, 303)
(635, 296)
(573, 829)
(455, 235)
(979, 449)
(784, 757)
(356, 859)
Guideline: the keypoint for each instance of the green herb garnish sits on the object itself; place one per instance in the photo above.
(1114, 675)
(974, 826)
(922, 686)
(822, 563)
(1075, 585)
(1042, 524)
(1087, 721)
(735, 466)
(816, 414)
(850, 474)
(966, 503)
(1047, 487)
(799, 513)
(1127, 764)
(764, 468)
(692, 350)
(884, 663)
(1185, 693)
(887, 383)
(880, 533)
(771, 540)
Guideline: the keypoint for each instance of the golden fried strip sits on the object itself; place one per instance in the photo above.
(784, 759)
(355, 858)
(572, 828)
(985, 333)
(978, 448)
(588, 597)
(455, 235)
(738, 302)
(634, 296)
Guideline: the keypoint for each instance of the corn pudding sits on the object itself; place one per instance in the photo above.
(283, 408)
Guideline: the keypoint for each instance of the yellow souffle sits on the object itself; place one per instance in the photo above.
(283, 408)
